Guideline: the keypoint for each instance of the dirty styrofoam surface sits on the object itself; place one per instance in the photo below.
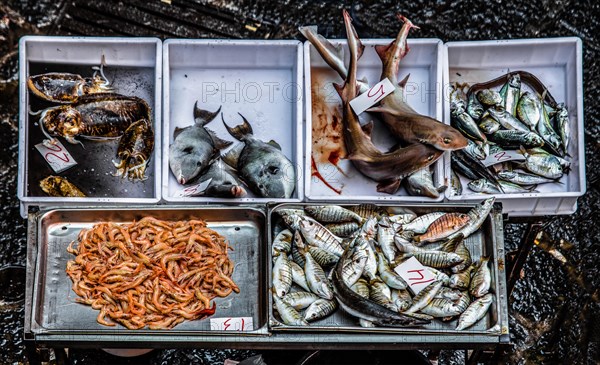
(134, 67)
(557, 62)
(262, 80)
(323, 107)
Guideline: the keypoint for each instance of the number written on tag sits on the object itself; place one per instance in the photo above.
(503, 156)
(372, 96)
(415, 274)
(193, 190)
(56, 155)
(232, 324)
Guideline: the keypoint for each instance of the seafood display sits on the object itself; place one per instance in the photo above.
(315, 272)
(520, 118)
(92, 110)
(421, 140)
(150, 273)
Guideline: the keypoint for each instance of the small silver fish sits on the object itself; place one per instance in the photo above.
(420, 224)
(563, 128)
(390, 277)
(437, 259)
(462, 280)
(402, 299)
(321, 308)
(442, 307)
(282, 243)
(288, 314)
(316, 278)
(344, 229)
(421, 300)
(322, 257)
(361, 287)
(510, 93)
(282, 276)
(545, 165)
(482, 279)
(548, 134)
(456, 188)
(300, 299)
(402, 218)
(332, 214)
(488, 125)
(319, 236)
(529, 110)
(298, 276)
(475, 312)
(506, 119)
(367, 246)
(464, 253)
(523, 178)
(420, 183)
(487, 187)
(368, 211)
(353, 268)
(478, 215)
(448, 293)
(381, 294)
(489, 97)
(385, 238)
(439, 275)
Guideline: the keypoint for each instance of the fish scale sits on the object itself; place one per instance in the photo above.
(475, 312)
(316, 278)
(288, 314)
(319, 236)
(320, 309)
(345, 229)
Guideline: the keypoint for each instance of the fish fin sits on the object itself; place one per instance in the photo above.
(368, 129)
(232, 156)
(274, 144)
(219, 143)
(204, 117)
(177, 131)
(403, 82)
(339, 88)
(389, 187)
(239, 132)
(382, 50)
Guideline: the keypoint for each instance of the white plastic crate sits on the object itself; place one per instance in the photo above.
(557, 62)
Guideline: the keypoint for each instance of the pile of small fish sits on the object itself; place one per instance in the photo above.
(194, 157)
(332, 256)
(495, 122)
(91, 110)
(422, 139)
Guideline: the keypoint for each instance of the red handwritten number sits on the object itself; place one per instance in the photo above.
(372, 92)
(242, 324)
(421, 277)
(52, 147)
(63, 158)
(501, 156)
(226, 324)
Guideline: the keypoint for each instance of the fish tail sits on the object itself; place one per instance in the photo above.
(204, 117)
(239, 132)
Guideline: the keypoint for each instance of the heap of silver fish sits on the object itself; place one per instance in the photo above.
(316, 271)
(497, 121)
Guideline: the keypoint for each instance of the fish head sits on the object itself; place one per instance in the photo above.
(477, 185)
(185, 162)
(272, 176)
(534, 139)
(448, 139)
(63, 121)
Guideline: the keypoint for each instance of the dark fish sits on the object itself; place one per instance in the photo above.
(266, 170)
(135, 147)
(386, 168)
(474, 165)
(513, 139)
(194, 147)
(223, 181)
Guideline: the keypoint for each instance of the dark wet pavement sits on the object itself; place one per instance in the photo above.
(555, 314)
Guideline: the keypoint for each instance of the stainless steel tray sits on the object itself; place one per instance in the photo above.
(53, 306)
(487, 241)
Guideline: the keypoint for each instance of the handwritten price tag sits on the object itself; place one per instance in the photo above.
(56, 155)
(415, 274)
(503, 156)
(232, 324)
(372, 96)
(193, 190)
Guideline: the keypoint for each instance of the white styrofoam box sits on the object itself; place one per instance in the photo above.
(262, 80)
(557, 62)
(423, 92)
(134, 67)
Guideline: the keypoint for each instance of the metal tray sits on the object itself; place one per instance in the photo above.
(487, 241)
(52, 302)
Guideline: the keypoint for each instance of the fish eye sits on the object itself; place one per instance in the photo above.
(188, 149)
(447, 140)
(430, 157)
(273, 169)
(227, 183)
(261, 186)
(199, 163)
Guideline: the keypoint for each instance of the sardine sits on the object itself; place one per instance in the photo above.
(443, 227)
(488, 125)
(478, 215)
(298, 276)
(487, 187)
(420, 224)
(489, 97)
(282, 243)
(321, 308)
(317, 235)
(390, 277)
(563, 128)
(475, 312)
(282, 276)
(482, 279)
(421, 300)
(345, 229)
(300, 299)
(564, 163)
(366, 309)
(420, 183)
(544, 165)
(288, 314)
(523, 178)
(264, 168)
(332, 214)
(461, 120)
(529, 110)
(402, 120)
(194, 147)
(386, 168)
(513, 139)
(506, 119)
(59, 186)
(510, 93)
(222, 181)
(456, 188)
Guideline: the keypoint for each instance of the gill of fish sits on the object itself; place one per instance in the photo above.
(288, 314)
(475, 312)
(317, 235)
(316, 278)
(420, 224)
(390, 277)
(424, 297)
(481, 280)
(282, 276)
(300, 299)
(385, 238)
(319, 309)
(298, 276)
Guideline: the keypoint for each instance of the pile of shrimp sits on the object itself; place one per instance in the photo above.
(151, 272)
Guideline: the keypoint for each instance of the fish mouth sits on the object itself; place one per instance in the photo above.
(238, 191)
(181, 180)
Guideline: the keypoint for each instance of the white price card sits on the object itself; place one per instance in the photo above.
(415, 274)
(372, 96)
(503, 156)
(232, 324)
(193, 190)
(56, 155)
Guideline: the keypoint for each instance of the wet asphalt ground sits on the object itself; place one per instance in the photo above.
(554, 308)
